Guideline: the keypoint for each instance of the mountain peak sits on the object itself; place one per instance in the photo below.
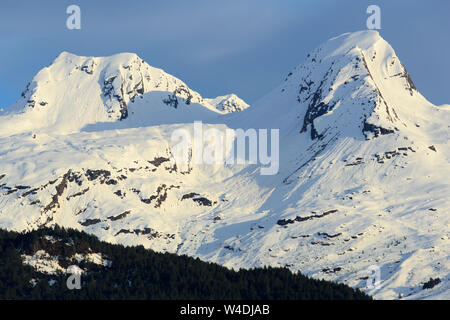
(352, 83)
(122, 56)
(76, 91)
(228, 103)
(364, 40)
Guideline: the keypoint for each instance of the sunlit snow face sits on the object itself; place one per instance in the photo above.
(214, 146)
(343, 200)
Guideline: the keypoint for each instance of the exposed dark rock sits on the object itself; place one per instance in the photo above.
(149, 232)
(284, 222)
(111, 182)
(137, 191)
(102, 175)
(88, 67)
(78, 194)
(410, 84)
(111, 93)
(75, 176)
(431, 283)
(81, 211)
(125, 231)
(172, 101)
(376, 130)
(203, 201)
(85, 69)
(316, 109)
(183, 91)
(172, 168)
(144, 231)
(107, 88)
(22, 187)
(153, 234)
(11, 191)
(158, 161)
(119, 193)
(189, 195)
(120, 216)
(161, 195)
(334, 270)
(329, 235)
(90, 222)
(32, 191)
(357, 162)
(24, 93)
(31, 103)
(59, 191)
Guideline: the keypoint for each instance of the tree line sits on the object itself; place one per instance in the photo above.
(139, 273)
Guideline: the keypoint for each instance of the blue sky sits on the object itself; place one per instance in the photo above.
(242, 46)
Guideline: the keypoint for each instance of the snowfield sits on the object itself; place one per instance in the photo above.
(363, 179)
(43, 262)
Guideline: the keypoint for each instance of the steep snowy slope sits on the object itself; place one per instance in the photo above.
(364, 161)
(359, 143)
(76, 91)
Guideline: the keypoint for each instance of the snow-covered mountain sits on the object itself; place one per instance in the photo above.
(364, 161)
(75, 92)
(228, 103)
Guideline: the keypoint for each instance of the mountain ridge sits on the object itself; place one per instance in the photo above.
(103, 89)
(347, 196)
